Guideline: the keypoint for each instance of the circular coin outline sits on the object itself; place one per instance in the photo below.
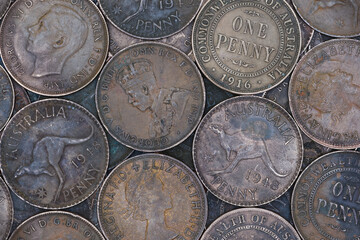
(303, 173)
(207, 75)
(292, 100)
(13, 97)
(5, 9)
(166, 158)
(64, 93)
(64, 214)
(11, 207)
(194, 68)
(96, 123)
(288, 117)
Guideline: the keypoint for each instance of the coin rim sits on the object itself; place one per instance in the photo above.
(287, 116)
(97, 97)
(63, 93)
(317, 160)
(5, 9)
(292, 100)
(169, 159)
(11, 207)
(193, 43)
(96, 122)
(13, 99)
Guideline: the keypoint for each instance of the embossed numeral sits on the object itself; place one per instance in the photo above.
(239, 82)
(255, 177)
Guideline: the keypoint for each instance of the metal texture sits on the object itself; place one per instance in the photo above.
(152, 197)
(6, 210)
(324, 93)
(53, 154)
(246, 47)
(7, 98)
(53, 47)
(247, 151)
(150, 96)
(326, 198)
(4, 5)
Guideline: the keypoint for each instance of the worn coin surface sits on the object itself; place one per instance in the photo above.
(53, 154)
(21, 97)
(56, 225)
(7, 98)
(250, 223)
(54, 47)
(150, 96)
(246, 46)
(324, 94)
(247, 151)
(4, 5)
(147, 19)
(337, 18)
(6, 210)
(153, 197)
(326, 198)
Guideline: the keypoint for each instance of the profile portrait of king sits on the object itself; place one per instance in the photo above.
(164, 105)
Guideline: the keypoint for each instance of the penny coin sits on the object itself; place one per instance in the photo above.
(247, 151)
(251, 223)
(150, 96)
(7, 98)
(6, 210)
(246, 46)
(56, 225)
(324, 92)
(54, 47)
(21, 97)
(53, 154)
(326, 198)
(337, 18)
(4, 5)
(152, 196)
(150, 20)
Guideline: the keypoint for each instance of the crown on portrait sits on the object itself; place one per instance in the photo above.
(134, 73)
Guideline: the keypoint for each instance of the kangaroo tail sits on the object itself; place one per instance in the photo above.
(268, 162)
(72, 141)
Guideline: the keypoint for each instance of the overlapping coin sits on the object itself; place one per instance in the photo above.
(337, 18)
(152, 197)
(4, 5)
(53, 154)
(150, 96)
(6, 210)
(251, 223)
(324, 94)
(247, 151)
(56, 225)
(326, 198)
(53, 47)
(246, 46)
(7, 98)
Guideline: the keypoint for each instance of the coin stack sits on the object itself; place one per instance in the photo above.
(180, 119)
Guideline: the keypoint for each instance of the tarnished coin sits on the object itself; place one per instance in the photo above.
(54, 154)
(7, 98)
(150, 96)
(251, 223)
(153, 197)
(337, 18)
(4, 5)
(324, 94)
(21, 97)
(247, 151)
(6, 210)
(56, 225)
(246, 46)
(54, 47)
(147, 19)
(326, 198)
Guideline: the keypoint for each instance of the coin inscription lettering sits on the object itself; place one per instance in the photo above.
(7, 98)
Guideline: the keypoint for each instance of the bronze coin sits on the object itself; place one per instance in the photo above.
(247, 151)
(4, 5)
(56, 225)
(152, 197)
(326, 198)
(324, 91)
(246, 46)
(7, 98)
(54, 47)
(6, 210)
(250, 223)
(150, 20)
(150, 96)
(53, 154)
(337, 18)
